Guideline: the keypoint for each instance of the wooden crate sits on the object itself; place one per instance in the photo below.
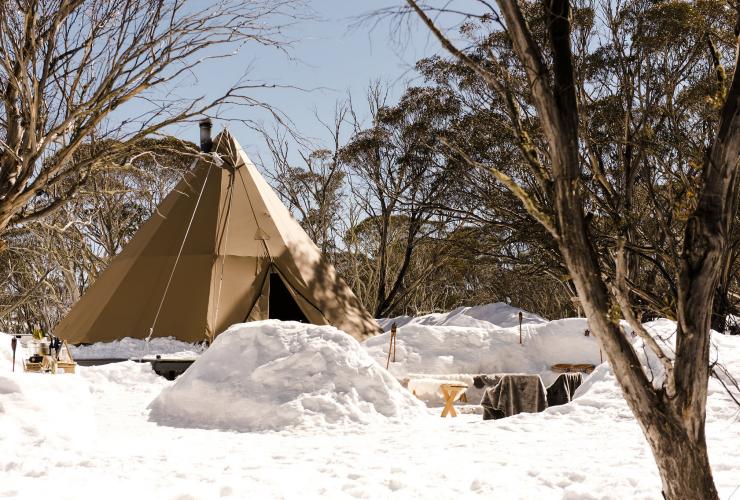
(66, 367)
(66, 363)
(43, 367)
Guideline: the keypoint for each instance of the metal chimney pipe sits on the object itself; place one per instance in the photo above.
(206, 143)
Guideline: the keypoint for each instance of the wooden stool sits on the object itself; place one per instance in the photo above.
(450, 393)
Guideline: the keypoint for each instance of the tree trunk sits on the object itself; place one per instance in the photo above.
(720, 308)
(683, 462)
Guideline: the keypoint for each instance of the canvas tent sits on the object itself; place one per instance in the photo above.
(220, 249)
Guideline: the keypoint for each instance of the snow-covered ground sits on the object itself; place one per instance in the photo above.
(92, 434)
(490, 349)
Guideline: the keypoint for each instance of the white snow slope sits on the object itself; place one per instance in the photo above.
(270, 375)
(128, 348)
(90, 434)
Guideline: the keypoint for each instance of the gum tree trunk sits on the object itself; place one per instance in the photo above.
(683, 464)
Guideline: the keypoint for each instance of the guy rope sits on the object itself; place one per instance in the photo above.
(179, 252)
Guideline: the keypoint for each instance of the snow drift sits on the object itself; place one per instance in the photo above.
(483, 316)
(600, 391)
(269, 375)
(423, 349)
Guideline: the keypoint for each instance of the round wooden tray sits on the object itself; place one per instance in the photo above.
(571, 368)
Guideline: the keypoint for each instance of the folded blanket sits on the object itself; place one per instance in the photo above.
(514, 394)
(561, 391)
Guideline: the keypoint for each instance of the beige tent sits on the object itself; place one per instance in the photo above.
(220, 249)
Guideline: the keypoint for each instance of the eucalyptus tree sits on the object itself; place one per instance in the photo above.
(653, 153)
(399, 178)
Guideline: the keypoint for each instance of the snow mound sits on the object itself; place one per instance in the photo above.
(269, 375)
(424, 349)
(127, 348)
(498, 314)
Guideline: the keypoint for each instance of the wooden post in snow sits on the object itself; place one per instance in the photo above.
(394, 334)
(391, 346)
(13, 346)
(520, 326)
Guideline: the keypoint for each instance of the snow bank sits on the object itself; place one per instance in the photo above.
(724, 353)
(601, 389)
(484, 316)
(424, 349)
(136, 348)
(269, 375)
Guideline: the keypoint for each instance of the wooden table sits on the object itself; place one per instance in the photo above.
(450, 393)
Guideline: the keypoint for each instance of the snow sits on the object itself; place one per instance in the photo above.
(38, 411)
(732, 323)
(438, 350)
(498, 314)
(79, 436)
(484, 339)
(269, 375)
(129, 348)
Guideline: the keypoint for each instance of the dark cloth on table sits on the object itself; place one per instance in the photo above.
(561, 391)
(514, 394)
(481, 381)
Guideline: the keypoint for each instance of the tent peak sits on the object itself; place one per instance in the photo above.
(227, 148)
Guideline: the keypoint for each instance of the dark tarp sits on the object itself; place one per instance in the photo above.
(481, 381)
(514, 394)
(561, 391)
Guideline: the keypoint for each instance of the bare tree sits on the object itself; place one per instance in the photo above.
(399, 177)
(672, 415)
(314, 188)
(67, 65)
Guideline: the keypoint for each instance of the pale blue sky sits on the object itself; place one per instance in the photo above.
(332, 55)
